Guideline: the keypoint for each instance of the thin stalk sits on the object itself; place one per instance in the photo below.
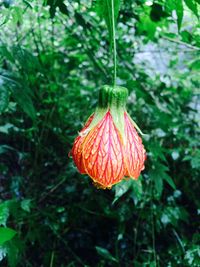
(114, 44)
(52, 258)
(153, 228)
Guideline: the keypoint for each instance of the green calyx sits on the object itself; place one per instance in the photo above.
(113, 99)
(112, 96)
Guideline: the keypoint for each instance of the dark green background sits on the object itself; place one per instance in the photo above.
(54, 57)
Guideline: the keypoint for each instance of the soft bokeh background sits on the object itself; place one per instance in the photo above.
(54, 56)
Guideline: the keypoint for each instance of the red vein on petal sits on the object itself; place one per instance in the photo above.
(90, 145)
(109, 146)
(77, 147)
(135, 153)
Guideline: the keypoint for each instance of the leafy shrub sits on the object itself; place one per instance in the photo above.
(53, 58)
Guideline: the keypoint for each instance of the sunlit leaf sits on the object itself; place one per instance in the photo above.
(179, 12)
(193, 6)
(6, 234)
(104, 10)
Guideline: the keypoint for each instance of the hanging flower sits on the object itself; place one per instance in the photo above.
(109, 148)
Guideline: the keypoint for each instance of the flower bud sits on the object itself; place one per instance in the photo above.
(109, 148)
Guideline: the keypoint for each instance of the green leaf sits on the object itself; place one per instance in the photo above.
(179, 12)
(192, 5)
(195, 65)
(158, 180)
(5, 148)
(134, 186)
(194, 159)
(170, 5)
(173, 215)
(28, 4)
(169, 180)
(54, 5)
(4, 97)
(4, 213)
(122, 188)
(158, 174)
(14, 250)
(192, 256)
(105, 254)
(26, 204)
(17, 14)
(6, 129)
(24, 101)
(20, 92)
(137, 190)
(6, 17)
(147, 27)
(6, 234)
(104, 10)
(6, 53)
(176, 5)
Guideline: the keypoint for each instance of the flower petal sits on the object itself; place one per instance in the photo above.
(103, 154)
(77, 147)
(134, 150)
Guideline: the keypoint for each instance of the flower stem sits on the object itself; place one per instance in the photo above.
(114, 51)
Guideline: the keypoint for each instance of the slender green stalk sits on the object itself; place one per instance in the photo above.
(114, 51)
(52, 258)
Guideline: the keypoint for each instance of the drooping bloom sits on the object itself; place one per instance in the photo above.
(109, 148)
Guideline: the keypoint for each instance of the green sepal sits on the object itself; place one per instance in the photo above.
(118, 118)
(114, 98)
(136, 126)
(98, 116)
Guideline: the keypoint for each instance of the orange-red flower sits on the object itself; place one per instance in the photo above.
(109, 148)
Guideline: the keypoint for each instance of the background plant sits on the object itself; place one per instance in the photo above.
(54, 55)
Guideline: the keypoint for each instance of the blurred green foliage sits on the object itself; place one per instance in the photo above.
(54, 56)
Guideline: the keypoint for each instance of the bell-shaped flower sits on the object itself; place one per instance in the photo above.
(109, 148)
